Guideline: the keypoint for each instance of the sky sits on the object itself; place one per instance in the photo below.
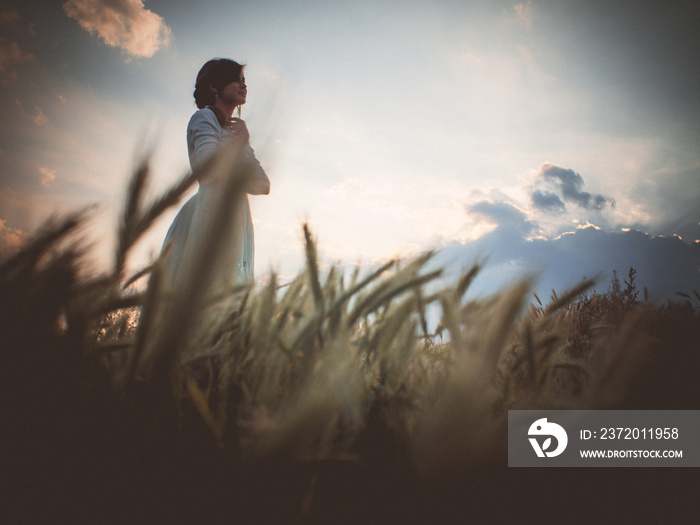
(550, 138)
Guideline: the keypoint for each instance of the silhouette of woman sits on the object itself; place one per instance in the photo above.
(220, 89)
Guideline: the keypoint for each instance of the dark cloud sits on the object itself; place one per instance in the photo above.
(547, 201)
(505, 214)
(665, 265)
(569, 184)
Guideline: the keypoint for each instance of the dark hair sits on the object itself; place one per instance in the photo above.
(216, 73)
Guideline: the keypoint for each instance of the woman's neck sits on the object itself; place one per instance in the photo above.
(225, 109)
(222, 116)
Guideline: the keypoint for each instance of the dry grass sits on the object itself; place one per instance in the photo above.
(325, 368)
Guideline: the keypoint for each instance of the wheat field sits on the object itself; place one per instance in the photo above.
(328, 398)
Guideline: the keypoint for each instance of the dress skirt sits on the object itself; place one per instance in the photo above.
(236, 266)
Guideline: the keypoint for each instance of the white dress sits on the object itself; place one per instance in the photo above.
(204, 135)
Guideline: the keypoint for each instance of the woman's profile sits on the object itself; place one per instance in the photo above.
(220, 90)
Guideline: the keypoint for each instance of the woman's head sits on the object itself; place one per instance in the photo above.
(213, 77)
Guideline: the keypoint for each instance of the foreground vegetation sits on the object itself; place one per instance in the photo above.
(329, 398)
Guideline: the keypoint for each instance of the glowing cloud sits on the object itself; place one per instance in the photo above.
(10, 239)
(126, 24)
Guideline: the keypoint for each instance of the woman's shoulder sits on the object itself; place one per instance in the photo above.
(204, 117)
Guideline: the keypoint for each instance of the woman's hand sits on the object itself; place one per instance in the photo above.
(239, 129)
(260, 184)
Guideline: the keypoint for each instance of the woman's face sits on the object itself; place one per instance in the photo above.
(235, 92)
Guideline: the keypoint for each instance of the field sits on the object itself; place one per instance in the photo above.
(329, 398)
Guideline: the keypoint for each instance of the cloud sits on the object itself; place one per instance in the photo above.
(40, 118)
(523, 11)
(47, 176)
(665, 265)
(8, 15)
(569, 184)
(538, 237)
(10, 56)
(505, 215)
(126, 24)
(547, 201)
(10, 239)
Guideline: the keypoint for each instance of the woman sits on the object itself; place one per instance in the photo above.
(220, 90)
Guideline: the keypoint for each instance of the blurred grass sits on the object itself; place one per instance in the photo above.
(181, 396)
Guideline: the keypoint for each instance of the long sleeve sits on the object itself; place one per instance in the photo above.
(204, 134)
(250, 158)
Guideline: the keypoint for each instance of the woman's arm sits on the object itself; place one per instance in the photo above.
(260, 184)
(203, 136)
